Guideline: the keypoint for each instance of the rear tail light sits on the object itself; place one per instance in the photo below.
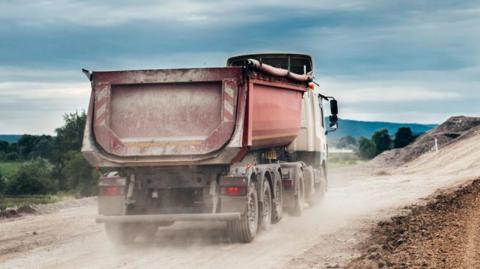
(234, 191)
(111, 191)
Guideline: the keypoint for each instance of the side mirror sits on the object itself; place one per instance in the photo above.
(333, 107)
(333, 121)
(333, 118)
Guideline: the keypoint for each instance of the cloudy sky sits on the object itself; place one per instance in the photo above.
(406, 61)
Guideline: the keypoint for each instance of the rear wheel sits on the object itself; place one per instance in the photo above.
(309, 176)
(320, 188)
(277, 205)
(299, 202)
(121, 233)
(266, 213)
(245, 229)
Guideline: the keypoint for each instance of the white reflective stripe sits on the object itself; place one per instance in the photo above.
(229, 91)
(101, 110)
(228, 107)
(100, 94)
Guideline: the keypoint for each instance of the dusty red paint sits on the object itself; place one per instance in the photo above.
(276, 113)
(188, 112)
(165, 112)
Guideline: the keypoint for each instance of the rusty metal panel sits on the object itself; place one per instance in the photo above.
(165, 112)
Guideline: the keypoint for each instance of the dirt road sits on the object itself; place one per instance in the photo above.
(324, 237)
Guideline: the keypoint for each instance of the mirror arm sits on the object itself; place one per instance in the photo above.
(331, 130)
(327, 98)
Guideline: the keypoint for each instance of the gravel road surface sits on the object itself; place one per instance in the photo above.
(325, 237)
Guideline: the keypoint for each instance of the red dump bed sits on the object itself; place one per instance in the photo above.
(187, 113)
(164, 112)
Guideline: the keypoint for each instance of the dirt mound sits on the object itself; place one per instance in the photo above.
(441, 234)
(452, 130)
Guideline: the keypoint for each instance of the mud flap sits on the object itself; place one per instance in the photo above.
(232, 203)
(111, 196)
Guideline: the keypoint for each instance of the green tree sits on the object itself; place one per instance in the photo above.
(25, 145)
(70, 136)
(366, 148)
(11, 156)
(79, 174)
(65, 169)
(3, 183)
(382, 141)
(68, 139)
(34, 146)
(3, 146)
(43, 147)
(403, 137)
(12, 147)
(33, 177)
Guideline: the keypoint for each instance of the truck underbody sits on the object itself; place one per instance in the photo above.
(142, 199)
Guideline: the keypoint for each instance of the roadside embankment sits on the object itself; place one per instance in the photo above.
(443, 233)
(454, 130)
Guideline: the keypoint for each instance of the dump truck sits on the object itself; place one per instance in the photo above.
(241, 144)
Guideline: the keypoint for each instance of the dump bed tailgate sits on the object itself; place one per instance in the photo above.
(164, 112)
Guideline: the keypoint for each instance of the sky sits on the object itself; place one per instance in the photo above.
(401, 61)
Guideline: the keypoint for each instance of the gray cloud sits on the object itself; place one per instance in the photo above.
(110, 13)
(385, 60)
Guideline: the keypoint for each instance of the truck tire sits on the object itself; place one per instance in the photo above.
(266, 209)
(320, 189)
(245, 229)
(299, 201)
(309, 180)
(121, 233)
(277, 204)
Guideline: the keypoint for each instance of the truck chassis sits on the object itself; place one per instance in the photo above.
(249, 197)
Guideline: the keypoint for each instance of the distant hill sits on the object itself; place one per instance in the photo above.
(358, 128)
(10, 138)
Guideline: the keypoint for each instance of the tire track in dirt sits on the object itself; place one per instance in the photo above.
(472, 248)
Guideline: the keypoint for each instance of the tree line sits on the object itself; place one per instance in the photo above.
(380, 141)
(50, 163)
(54, 163)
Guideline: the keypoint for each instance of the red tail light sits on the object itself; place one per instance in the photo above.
(111, 191)
(234, 191)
